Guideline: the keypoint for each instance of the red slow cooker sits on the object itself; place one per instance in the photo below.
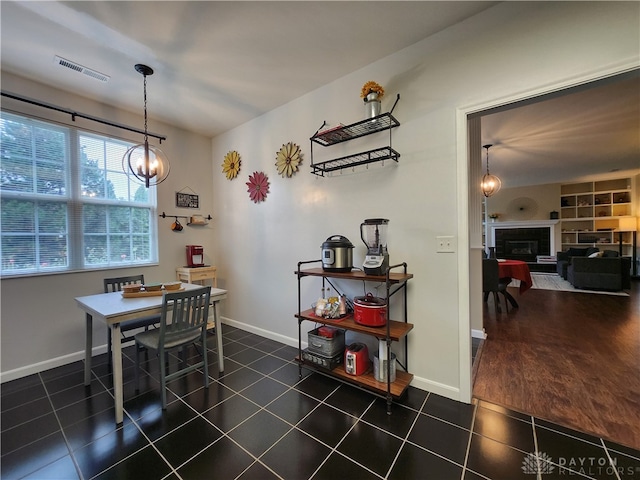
(370, 311)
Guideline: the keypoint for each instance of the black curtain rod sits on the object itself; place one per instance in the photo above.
(81, 115)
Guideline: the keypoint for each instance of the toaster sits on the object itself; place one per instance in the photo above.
(356, 359)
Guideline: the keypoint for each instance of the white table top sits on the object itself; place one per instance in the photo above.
(113, 307)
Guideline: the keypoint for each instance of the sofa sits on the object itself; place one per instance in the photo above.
(602, 273)
(564, 258)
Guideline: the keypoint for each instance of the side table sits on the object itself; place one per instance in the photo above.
(197, 274)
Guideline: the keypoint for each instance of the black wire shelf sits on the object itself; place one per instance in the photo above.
(352, 161)
(362, 128)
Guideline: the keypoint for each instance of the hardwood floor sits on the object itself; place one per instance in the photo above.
(570, 358)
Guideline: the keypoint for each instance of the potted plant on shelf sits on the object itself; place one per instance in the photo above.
(372, 93)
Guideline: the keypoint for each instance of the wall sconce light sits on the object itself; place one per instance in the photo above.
(146, 162)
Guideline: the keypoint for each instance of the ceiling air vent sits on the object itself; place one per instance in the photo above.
(80, 69)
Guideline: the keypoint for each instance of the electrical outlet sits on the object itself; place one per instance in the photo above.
(446, 244)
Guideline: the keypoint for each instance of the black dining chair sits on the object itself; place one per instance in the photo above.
(183, 321)
(492, 283)
(115, 284)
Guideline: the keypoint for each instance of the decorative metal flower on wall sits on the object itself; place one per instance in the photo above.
(288, 159)
(258, 186)
(231, 165)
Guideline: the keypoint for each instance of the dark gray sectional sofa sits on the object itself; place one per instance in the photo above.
(608, 272)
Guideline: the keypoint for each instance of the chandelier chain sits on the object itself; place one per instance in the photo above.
(145, 110)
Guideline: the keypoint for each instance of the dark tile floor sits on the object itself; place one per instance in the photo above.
(260, 420)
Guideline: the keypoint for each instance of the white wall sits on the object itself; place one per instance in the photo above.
(41, 324)
(511, 51)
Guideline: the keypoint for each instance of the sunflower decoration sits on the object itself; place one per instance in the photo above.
(288, 159)
(371, 87)
(231, 165)
(258, 187)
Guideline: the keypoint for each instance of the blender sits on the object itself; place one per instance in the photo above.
(373, 232)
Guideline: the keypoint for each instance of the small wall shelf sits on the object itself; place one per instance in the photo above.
(192, 224)
(383, 122)
(352, 161)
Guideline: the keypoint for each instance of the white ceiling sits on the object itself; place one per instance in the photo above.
(220, 64)
(217, 64)
(574, 135)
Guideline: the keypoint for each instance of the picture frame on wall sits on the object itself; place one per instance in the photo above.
(187, 200)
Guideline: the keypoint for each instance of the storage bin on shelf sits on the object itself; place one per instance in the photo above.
(326, 346)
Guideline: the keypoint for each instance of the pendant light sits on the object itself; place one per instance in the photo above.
(490, 183)
(146, 162)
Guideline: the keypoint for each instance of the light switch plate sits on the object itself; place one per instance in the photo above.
(446, 244)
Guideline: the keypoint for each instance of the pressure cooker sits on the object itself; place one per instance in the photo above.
(337, 254)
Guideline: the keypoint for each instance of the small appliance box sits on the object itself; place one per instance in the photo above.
(326, 341)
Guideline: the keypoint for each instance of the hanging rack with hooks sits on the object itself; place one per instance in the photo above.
(206, 219)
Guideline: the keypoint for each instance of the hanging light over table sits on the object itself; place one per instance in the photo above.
(490, 183)
(146, 162)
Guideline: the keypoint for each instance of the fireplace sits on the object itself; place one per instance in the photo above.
(522, 243)
(520, 247)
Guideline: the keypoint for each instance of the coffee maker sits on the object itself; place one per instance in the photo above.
(195, 256)
(373, 232)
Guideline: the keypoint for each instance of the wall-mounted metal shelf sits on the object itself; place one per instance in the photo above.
(344, 133)
(352, 161)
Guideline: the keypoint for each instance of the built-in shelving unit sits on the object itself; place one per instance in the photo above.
(591, 214)
(344, 133)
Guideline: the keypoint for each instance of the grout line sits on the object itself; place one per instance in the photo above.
(406, 437)
(611, 462)
(335, 449)
(64, 436)
(468, 449)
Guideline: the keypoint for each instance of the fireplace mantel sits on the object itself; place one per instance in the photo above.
(524, 224)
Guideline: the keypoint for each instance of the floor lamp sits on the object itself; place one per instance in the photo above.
(629, 224)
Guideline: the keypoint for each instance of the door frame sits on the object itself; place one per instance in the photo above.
(467, 261)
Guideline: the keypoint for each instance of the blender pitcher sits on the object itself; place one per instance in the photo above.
(373, 232)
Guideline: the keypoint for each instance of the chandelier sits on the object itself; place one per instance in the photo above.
(146, 162)
(490, 183)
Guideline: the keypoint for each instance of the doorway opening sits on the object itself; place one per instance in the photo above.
(558, 174)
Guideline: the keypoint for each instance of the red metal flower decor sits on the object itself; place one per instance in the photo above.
(258, 186)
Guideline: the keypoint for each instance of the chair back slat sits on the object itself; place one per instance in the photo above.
(115, 284)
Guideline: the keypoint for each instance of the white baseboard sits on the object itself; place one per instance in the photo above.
(292, 342)
(48, 364)
(418, 382)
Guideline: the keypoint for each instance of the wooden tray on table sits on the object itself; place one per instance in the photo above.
(154, 293)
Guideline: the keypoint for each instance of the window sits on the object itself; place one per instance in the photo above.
(67, 204)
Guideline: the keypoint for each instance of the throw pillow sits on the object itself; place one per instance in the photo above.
(610, 254)
(591, 251)
(596, 255)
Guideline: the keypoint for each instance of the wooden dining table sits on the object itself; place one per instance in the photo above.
(113, 309)
(515, 269)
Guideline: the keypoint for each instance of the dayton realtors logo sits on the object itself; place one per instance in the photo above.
(540, 463)
(537, 462)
